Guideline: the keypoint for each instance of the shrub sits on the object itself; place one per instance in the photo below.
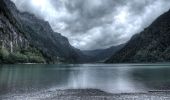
(4, 54)
(36, 59)
(17, 58)
(25, 56)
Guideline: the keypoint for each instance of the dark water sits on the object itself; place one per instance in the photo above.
(120, 78)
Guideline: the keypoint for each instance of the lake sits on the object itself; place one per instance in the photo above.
(113, 78)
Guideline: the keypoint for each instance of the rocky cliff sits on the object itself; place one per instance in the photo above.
(151, 45)
(24, 38)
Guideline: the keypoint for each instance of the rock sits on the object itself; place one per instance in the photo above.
(21, 30)
(151, 45)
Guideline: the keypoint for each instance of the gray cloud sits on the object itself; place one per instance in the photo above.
(93, 24)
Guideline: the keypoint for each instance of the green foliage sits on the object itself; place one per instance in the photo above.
(25, 56)
(17, 57)
(36, 59)
(3, 54)
(33, 55)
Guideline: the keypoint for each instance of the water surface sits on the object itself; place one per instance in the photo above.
(114, 78)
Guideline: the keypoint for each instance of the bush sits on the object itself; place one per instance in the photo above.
(25, 56)
(4, 54)
(17, 58)
(36, 59)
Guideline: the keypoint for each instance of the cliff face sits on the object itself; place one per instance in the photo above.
(27, 36)
(151, 45)
(10, 37)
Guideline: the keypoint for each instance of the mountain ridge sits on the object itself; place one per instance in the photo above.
(23, 27)
(151, 45)
(100, 55)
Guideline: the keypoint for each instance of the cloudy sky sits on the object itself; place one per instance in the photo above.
(94, 24)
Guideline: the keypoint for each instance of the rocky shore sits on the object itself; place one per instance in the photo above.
(89, 94)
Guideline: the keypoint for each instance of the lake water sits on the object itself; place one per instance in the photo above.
(114, 78)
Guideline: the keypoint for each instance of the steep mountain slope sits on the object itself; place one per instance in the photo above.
(151, 45)
(101, 55)
(24, 35)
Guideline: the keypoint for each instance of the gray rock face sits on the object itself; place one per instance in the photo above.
(20, 30)
(151, 45)
(10, 38)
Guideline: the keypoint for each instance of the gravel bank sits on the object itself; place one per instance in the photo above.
(88, 94)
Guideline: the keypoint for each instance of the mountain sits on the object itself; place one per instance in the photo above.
(151, 45)
(101, 55)
(24, 38)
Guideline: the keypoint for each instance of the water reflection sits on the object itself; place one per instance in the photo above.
(110, 78)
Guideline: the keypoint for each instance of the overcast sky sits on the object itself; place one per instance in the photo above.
(94, 24)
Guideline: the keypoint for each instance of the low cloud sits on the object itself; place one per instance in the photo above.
(95, 24)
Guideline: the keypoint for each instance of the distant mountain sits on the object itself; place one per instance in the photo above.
(26, 39)
(151, 45)
(101, 55)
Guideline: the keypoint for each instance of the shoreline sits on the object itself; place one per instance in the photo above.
(89, 94)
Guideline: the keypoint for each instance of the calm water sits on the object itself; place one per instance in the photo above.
(121, 78)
